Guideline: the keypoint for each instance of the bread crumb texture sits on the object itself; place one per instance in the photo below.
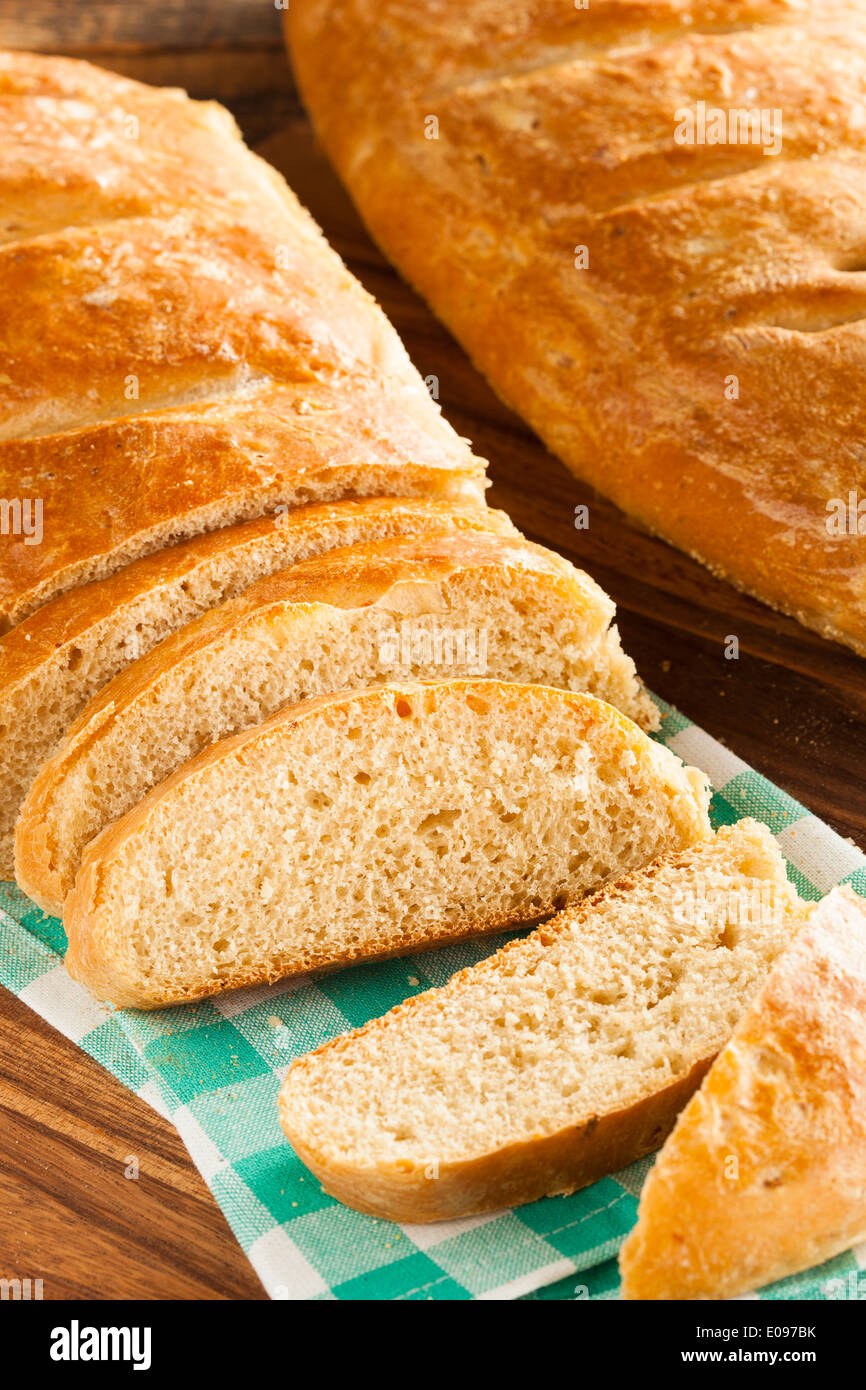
(368, 823)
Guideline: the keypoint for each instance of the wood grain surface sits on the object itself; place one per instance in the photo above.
(792, 705)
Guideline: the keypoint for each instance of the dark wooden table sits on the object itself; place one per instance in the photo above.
(792, 705)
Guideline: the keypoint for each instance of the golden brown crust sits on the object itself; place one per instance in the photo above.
(547, 1166)
(67, 619)
(185, 308)
(180, 360)
(712, 267)
(96, 954)
(763, 1175)
(98, 147)
(281, 446)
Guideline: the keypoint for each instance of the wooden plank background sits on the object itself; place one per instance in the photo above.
(792, 705)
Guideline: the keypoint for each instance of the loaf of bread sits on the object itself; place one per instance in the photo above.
(53, 662)
(765, 1172)
(421, 606)
(557, 1060)
(644, 222)
(180, 349)
(368, 823)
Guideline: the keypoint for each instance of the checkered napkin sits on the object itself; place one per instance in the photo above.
(215, 1068)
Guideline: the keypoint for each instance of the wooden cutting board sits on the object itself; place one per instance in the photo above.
(792, 706)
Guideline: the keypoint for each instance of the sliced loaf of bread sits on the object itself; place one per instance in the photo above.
(765, 1172)
(63, 654)
(450, 605)
(181, 349)
(368, 823)
(557, 1060)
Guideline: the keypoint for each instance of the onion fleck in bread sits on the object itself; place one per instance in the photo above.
(765, 1172)
(367, 823)
(53, 662)
(180, 349)
(674, 299)
(455, 605)
(558, 1059)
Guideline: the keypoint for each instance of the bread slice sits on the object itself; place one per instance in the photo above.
(765, 1172)
(454, 605)
(558, 1059)
(367, 823)
(55, 661)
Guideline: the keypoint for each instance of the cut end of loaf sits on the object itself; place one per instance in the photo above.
(366, 824)
(557, 1060)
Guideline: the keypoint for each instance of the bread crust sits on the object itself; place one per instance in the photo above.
(551, 1165)
(279, 447)
(96, 953)
(704, 369)
(765, 1172)
(199, 356)
(100, 147)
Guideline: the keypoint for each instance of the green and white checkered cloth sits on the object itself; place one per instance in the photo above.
(215, 1069)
